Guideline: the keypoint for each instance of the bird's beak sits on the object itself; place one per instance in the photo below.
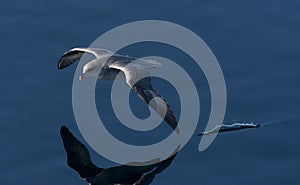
(81, 76)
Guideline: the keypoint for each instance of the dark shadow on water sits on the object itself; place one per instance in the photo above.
(78, 158)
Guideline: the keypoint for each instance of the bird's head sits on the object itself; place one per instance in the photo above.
(81, 76)
(85, 70)
(89, 69)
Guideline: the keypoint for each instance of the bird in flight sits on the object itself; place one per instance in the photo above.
(78, 158)
(107, 65)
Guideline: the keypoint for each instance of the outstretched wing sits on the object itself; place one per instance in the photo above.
(78, 156)
(75, 54)
(138, 78)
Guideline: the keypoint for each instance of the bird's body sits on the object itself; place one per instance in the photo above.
(79, 159)
(107, 66)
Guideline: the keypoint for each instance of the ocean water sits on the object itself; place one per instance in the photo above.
(255, 42)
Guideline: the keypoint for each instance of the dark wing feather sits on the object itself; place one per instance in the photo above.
(75, 54)
(78, 156)
(159, 104)
(69, 58)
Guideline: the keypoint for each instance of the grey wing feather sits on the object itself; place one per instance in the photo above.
(116, 61)
(159, 104)
(138, 78)
(78, 156)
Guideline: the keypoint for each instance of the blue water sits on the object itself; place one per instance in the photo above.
(255, 42)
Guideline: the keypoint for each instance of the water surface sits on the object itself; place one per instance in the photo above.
(256, 44)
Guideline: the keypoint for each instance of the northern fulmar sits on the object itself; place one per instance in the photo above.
(107, 66)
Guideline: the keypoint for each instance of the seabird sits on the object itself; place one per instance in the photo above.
(78, 158)
(136, 73)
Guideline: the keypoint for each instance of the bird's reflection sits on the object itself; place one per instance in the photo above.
(79, 159)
